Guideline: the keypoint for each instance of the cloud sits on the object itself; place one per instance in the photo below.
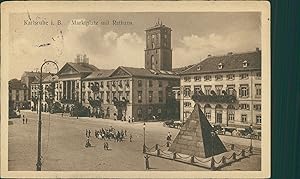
(104, 49)
(192, 49)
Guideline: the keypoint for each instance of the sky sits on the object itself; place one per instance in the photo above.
(194, 36)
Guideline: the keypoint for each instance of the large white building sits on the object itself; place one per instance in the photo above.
(228, 88)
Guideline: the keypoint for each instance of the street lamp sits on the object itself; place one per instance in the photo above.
(212, 142)
(251, 147)
(182, 94)
(212, 150)
(144, 146)
(39, 162)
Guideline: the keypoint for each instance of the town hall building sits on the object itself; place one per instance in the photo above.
(148, 91)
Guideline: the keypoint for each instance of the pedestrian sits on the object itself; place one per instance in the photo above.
(130, 138)
(129, 119)
(132, 120)
(23, 120)
(106, 147)
(86, 132)
(147, 162)
(89, 133)
(169, 137)
(125, 132)
(26, 120)
(88, 144)
(62, 114)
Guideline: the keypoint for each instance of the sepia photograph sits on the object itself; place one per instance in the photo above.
(135, 89)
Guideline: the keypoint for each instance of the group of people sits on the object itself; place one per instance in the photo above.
(111, 134)
(107, 134)
(130, 120)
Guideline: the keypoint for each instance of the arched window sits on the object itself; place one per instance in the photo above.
(219, 112)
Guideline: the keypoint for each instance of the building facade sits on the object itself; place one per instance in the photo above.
(158, 52)
(30, 77)
(228, 89)
(18, 94)
(146, 91)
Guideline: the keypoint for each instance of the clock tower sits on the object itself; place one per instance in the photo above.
(158, 52)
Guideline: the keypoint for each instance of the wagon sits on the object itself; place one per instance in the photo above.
(229, 129)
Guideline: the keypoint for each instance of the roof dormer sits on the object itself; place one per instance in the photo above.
(245, 63)
(220, 66)
(199, 68)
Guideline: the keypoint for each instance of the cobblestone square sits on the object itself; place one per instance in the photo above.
(63, 140)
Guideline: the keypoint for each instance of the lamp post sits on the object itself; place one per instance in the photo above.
(182, 94)
(39, 162)
(212, 142)
(251, 147)
(144, 146)
(212, 150)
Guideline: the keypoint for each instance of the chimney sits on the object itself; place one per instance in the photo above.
(230, 53)
(257, 49)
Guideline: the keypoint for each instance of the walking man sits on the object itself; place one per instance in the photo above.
(89, 133)
(26, 120)
(130, 138)
(23, 120)
(147, 162)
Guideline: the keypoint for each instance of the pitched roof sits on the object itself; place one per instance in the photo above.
(230, 62)
(181, 69)
(142, 72)
(34, 74)
(101, 73)
(16, 84)
(50, 78)
(83, 67)
(132, 72)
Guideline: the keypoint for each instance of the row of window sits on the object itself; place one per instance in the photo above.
(109, 95)
(17, 97)
(149, 111)
(231, 117)
(108, 84)
(150, 83)
(150, 96)
(153, 36)
(242, 76)
(243, 90)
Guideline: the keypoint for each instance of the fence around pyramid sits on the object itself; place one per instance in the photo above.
(196, 137)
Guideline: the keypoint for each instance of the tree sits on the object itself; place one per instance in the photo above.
(49, 100)
(121, 105)
(96, 104)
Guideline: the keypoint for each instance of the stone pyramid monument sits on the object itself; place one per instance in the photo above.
(195, 137)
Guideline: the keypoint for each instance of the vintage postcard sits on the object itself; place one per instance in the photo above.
(135, 89)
